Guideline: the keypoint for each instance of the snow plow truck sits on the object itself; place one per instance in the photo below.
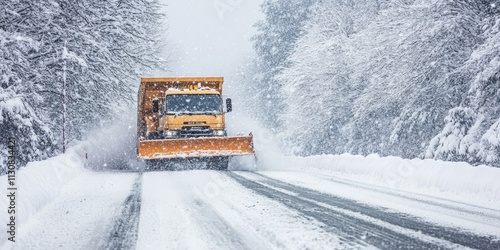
(184, 118)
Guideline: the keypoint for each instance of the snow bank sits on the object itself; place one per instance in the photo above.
(40, 182)
(433, 177)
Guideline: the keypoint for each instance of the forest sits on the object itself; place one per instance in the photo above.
(409, 78)
(79, 58)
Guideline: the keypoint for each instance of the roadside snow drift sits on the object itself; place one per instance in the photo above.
(40, 182)
(457, 180)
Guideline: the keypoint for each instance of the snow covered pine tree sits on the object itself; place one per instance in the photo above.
(105, 46)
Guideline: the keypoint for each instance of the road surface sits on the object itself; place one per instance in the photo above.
(202, 209)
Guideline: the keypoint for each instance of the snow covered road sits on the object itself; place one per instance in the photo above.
(251, 210)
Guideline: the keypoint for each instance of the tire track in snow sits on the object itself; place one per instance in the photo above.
(452, 235)
(349, 229)
(213, 226)
(350, 225)
(493, 214)
(177, 213)
(207, 221)
(125, 229)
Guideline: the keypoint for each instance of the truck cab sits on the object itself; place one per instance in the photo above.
(190, 113)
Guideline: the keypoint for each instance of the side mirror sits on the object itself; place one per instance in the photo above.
(229, 105)
(155, 105)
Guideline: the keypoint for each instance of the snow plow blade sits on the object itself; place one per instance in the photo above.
(196, 147)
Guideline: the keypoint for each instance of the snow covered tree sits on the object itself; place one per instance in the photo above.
(454, 142)
(385, 77)
(481, 73)
(100, 48)
(273, 43)
(489, 151)
(485, 88)
(18, 120)
(407, 56)
(115, 44)
(316, 85)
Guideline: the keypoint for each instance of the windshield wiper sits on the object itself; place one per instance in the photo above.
(178, 113)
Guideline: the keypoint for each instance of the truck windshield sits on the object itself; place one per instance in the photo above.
(194, 104)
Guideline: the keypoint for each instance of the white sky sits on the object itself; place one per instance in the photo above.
(210, 37)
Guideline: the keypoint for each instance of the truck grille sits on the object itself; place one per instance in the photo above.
(198, 131)
(194, 123)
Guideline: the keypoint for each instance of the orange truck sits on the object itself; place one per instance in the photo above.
(184, 117)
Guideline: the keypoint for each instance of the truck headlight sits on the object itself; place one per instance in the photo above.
(219, 132)
(171, 133)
